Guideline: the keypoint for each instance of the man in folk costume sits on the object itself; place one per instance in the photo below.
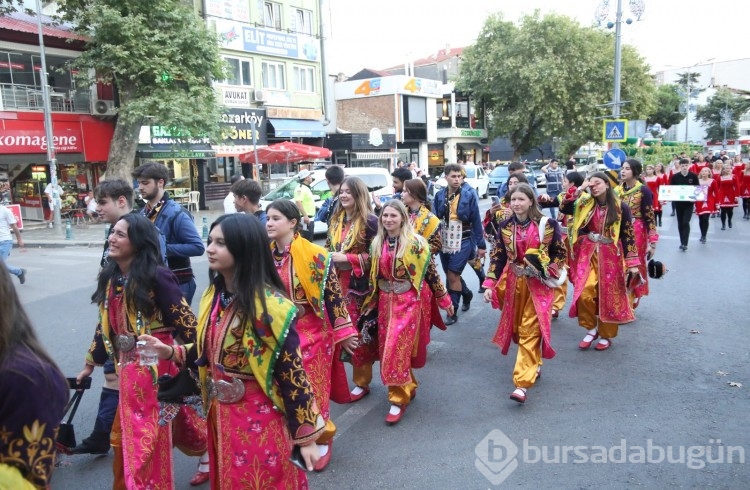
(458, 207)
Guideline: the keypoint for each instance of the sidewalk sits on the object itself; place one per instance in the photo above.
(91, 235)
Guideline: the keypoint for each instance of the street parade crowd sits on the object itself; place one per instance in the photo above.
(245, 382)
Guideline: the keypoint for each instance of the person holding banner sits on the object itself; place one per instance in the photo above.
(704, 209)
(684, 209)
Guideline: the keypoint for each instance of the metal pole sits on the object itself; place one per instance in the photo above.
(255, 143)
(687, 106)
(618, 58)
(48, 121)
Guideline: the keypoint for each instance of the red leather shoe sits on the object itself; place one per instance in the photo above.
(324, 460)
(600, 346)
(584, 344)
(519, 395)
(413, 394)
(199, 478)
(364, 393)
(394, 419)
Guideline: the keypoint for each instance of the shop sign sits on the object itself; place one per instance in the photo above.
(242, 37)
(396, 84)
(157, 155)
(237, 127)
(235, 97)
(234, 9)
(65, 140)
(16, 210)
(163, 135)
(475, 133)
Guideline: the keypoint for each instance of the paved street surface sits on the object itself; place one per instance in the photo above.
(663, 386)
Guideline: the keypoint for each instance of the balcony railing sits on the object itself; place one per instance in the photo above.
(29, 97)
(461, 122)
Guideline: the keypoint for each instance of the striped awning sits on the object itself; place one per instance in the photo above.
(375, 155)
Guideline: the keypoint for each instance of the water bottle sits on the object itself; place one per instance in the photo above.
(205, 228)
(68, 230)
(147, 354)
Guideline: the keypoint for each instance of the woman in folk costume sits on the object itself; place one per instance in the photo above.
(497, 214)
(745, 192)
(323, 320)
(729, 192)
(426, 225)
(640, 200)
(402, 292)
(571, 182)
(527, 257)
(137, 295)
(260, 403)
(350, 233)
(603, 246)
(704, 208)
(33, 393)
(653, 182)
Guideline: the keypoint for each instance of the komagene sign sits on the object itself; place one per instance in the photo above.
(65, 140)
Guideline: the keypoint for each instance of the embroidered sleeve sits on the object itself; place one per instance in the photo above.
(97, 353)
(476, 222)
(302, 414)
(434, 281)
(647, 211)
(176, 313)
(556, 248)
(627, 238)
(335, 308)
(436, 241)
(498, 255)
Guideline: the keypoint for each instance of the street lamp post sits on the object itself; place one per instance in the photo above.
(51, 158)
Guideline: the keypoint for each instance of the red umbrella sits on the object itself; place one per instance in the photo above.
(286, 152)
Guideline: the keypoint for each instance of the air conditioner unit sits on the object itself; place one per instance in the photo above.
(103, 107)
(259, 95)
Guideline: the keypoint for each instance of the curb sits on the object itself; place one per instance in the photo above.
(60, 244)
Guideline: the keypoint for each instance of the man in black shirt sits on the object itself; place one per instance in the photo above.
(684, 209)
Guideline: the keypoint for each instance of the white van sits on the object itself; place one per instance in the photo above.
(378, 180)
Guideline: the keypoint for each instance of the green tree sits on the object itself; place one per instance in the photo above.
(711, 114)
(546, 76)
(666, 107)
(7, 6)
(162, 60)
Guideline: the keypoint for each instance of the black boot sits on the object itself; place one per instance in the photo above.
(96, 443)
(455, 299)
(467, 295)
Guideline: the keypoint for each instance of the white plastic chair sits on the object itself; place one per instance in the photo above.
(194, 200)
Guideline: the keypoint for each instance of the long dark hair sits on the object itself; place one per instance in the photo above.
(254, 270)
(417, 189)
(144, 238)
(636, 167)
(288, 209)
(609, 198)
(17, 331)
(521, 178)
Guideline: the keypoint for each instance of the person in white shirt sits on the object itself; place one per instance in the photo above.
(48, 191)
(9, 223)
(229, 206)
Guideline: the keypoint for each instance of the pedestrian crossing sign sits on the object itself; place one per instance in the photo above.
(615, 130)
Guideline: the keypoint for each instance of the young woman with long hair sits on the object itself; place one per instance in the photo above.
(705, 208)
(33, 393)
(527, 301)
(402, 290)
(138, 296)
(728, 195)
(640, 200)
(323, 321)
(603, 240)
(653, 182)
(350, 233)
(250, 364)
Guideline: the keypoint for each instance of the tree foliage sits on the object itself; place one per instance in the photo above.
(711, 114)
(666, 109)
(162, 60)
(8, 6)
(545, 77)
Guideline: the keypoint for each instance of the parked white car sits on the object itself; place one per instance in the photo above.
(378, 180)
(475, 177)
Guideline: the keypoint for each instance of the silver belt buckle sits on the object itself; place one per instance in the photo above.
(125, 343)
(225, 391)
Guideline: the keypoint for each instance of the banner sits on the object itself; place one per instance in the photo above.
(690, 193)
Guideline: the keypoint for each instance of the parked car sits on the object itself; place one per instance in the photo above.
(540, 179)
(498, 176)
(378, 180)
(475, 177)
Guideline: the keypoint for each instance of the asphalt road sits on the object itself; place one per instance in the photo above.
(595, 419)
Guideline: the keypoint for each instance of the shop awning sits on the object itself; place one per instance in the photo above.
(297, 128)
(375, 155)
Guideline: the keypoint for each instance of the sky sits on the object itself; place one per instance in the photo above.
(671, 33)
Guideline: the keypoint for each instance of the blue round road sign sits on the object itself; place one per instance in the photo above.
(614, 158)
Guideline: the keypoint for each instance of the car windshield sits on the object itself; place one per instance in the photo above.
(499, 172)
(284, 191)
(471, 172)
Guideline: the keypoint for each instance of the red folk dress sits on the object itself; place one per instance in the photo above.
(653, 184)
(728, 191)
(709, 205)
